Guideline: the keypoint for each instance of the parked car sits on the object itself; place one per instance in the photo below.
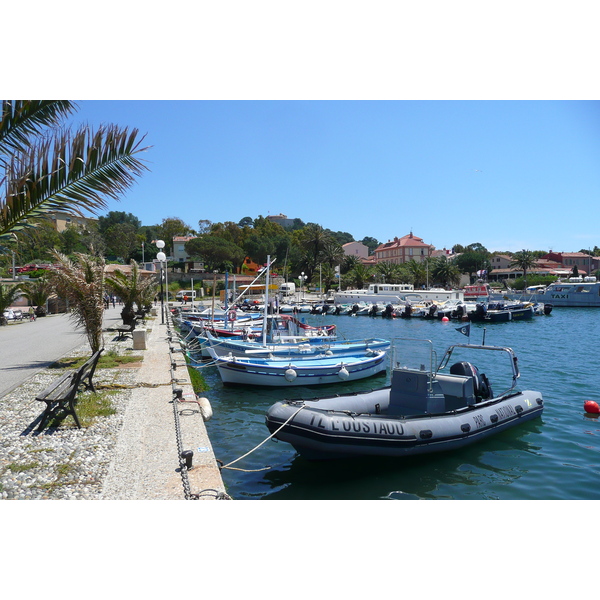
(12, 315)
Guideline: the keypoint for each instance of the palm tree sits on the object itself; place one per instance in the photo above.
(50, 168)
(38, 292)
(132, 289)
(524, 260)
(444, 271)
(8, 294)
(81, 282)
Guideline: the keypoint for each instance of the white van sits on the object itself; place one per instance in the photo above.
(287, 289)
(191, 295)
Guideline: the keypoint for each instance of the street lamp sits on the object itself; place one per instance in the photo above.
(303, 278)
(162, 258)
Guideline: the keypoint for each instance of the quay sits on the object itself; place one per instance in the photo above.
(154, 447)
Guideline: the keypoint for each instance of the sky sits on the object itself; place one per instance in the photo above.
(457, 121)
(508, 174)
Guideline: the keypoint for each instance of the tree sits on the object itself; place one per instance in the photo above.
(81, 282)
(121, 240)
(132, 289)
(116, 217)
(444, 272)
(524, 260)
(371, 243)
(472, 261)
(38, 292)
(8, 294)
(215, 251)
(46, 168)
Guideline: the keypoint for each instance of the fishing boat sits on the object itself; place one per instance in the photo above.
(299, 370)
(305, 347)
(424, 410)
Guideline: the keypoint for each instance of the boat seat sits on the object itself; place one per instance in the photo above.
(457, 389)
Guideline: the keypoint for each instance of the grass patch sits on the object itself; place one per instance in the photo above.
(89, 407)
(110, 360)
(16, 468)
(196, 379)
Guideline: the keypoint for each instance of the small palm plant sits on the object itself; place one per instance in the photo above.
(132, 289)
(81, 282)
(38, 292)
(8, 294)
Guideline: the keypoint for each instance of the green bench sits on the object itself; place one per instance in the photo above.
(62, 393)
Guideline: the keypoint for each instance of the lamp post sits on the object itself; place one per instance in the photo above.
(162, 258)
(303, 278)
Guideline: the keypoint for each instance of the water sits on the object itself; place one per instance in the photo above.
(556, 457)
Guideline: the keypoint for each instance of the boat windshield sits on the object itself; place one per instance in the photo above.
(415, 354)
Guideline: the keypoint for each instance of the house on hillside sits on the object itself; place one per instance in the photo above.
(356, 249)
(404, 249)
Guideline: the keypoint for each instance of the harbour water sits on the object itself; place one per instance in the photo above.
(556, 457)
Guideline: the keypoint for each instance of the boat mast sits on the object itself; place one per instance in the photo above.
(264, 336)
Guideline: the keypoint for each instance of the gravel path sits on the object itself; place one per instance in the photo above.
(131, 454)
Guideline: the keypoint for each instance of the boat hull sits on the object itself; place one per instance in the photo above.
(320, 430)
(299, 372)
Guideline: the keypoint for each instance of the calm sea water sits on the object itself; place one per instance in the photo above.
(551, 458)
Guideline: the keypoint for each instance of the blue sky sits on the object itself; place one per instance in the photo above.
(507, 174)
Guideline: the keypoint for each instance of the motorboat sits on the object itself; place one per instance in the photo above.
(501, 312)
(425, 409)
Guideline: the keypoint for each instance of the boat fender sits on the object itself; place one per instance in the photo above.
(591, 407)
(328, 353)
(343, 373)
(205, 408)
(290, 374)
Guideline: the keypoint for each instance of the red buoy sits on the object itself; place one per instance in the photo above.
(445, 319)
(591, 407)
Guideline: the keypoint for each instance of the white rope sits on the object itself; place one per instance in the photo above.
(259, 445)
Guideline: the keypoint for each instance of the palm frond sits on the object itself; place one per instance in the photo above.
(75, 172)
(22, 119)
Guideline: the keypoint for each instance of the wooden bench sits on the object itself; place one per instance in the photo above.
(125, 329)
(62, 393)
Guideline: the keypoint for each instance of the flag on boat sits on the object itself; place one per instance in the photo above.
(465, 329)
(482, 273)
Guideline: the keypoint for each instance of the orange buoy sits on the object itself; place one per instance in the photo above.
(445, 319)
(591, 407)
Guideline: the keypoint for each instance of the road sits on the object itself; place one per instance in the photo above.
(28, 347)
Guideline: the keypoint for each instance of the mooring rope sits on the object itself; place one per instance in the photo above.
(227, 466)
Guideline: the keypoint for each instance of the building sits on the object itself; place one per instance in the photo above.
(281, 219)
(179, 253)
(404, 249)
(356, 249)
(63, 219)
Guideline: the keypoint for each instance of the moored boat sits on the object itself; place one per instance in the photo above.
(299, 370)
(424, 410)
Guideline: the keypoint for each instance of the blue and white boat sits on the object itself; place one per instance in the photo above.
(299, 370)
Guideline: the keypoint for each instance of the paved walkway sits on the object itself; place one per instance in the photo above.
(145, 458)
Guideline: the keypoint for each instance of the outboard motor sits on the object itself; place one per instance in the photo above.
(431, 311)
(373, 311)
(405, 314)
(337, 310)
(325, 309)
(547, 309)
(354, 309)
(480, 311)
(481, 384)
(388, 311)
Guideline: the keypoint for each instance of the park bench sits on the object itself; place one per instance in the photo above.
(62, 393)
(125, 329)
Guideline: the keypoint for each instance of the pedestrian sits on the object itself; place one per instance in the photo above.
(31, 313)
(114, 301)
(185, 298)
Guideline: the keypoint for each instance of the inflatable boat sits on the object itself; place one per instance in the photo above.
(423, 410)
